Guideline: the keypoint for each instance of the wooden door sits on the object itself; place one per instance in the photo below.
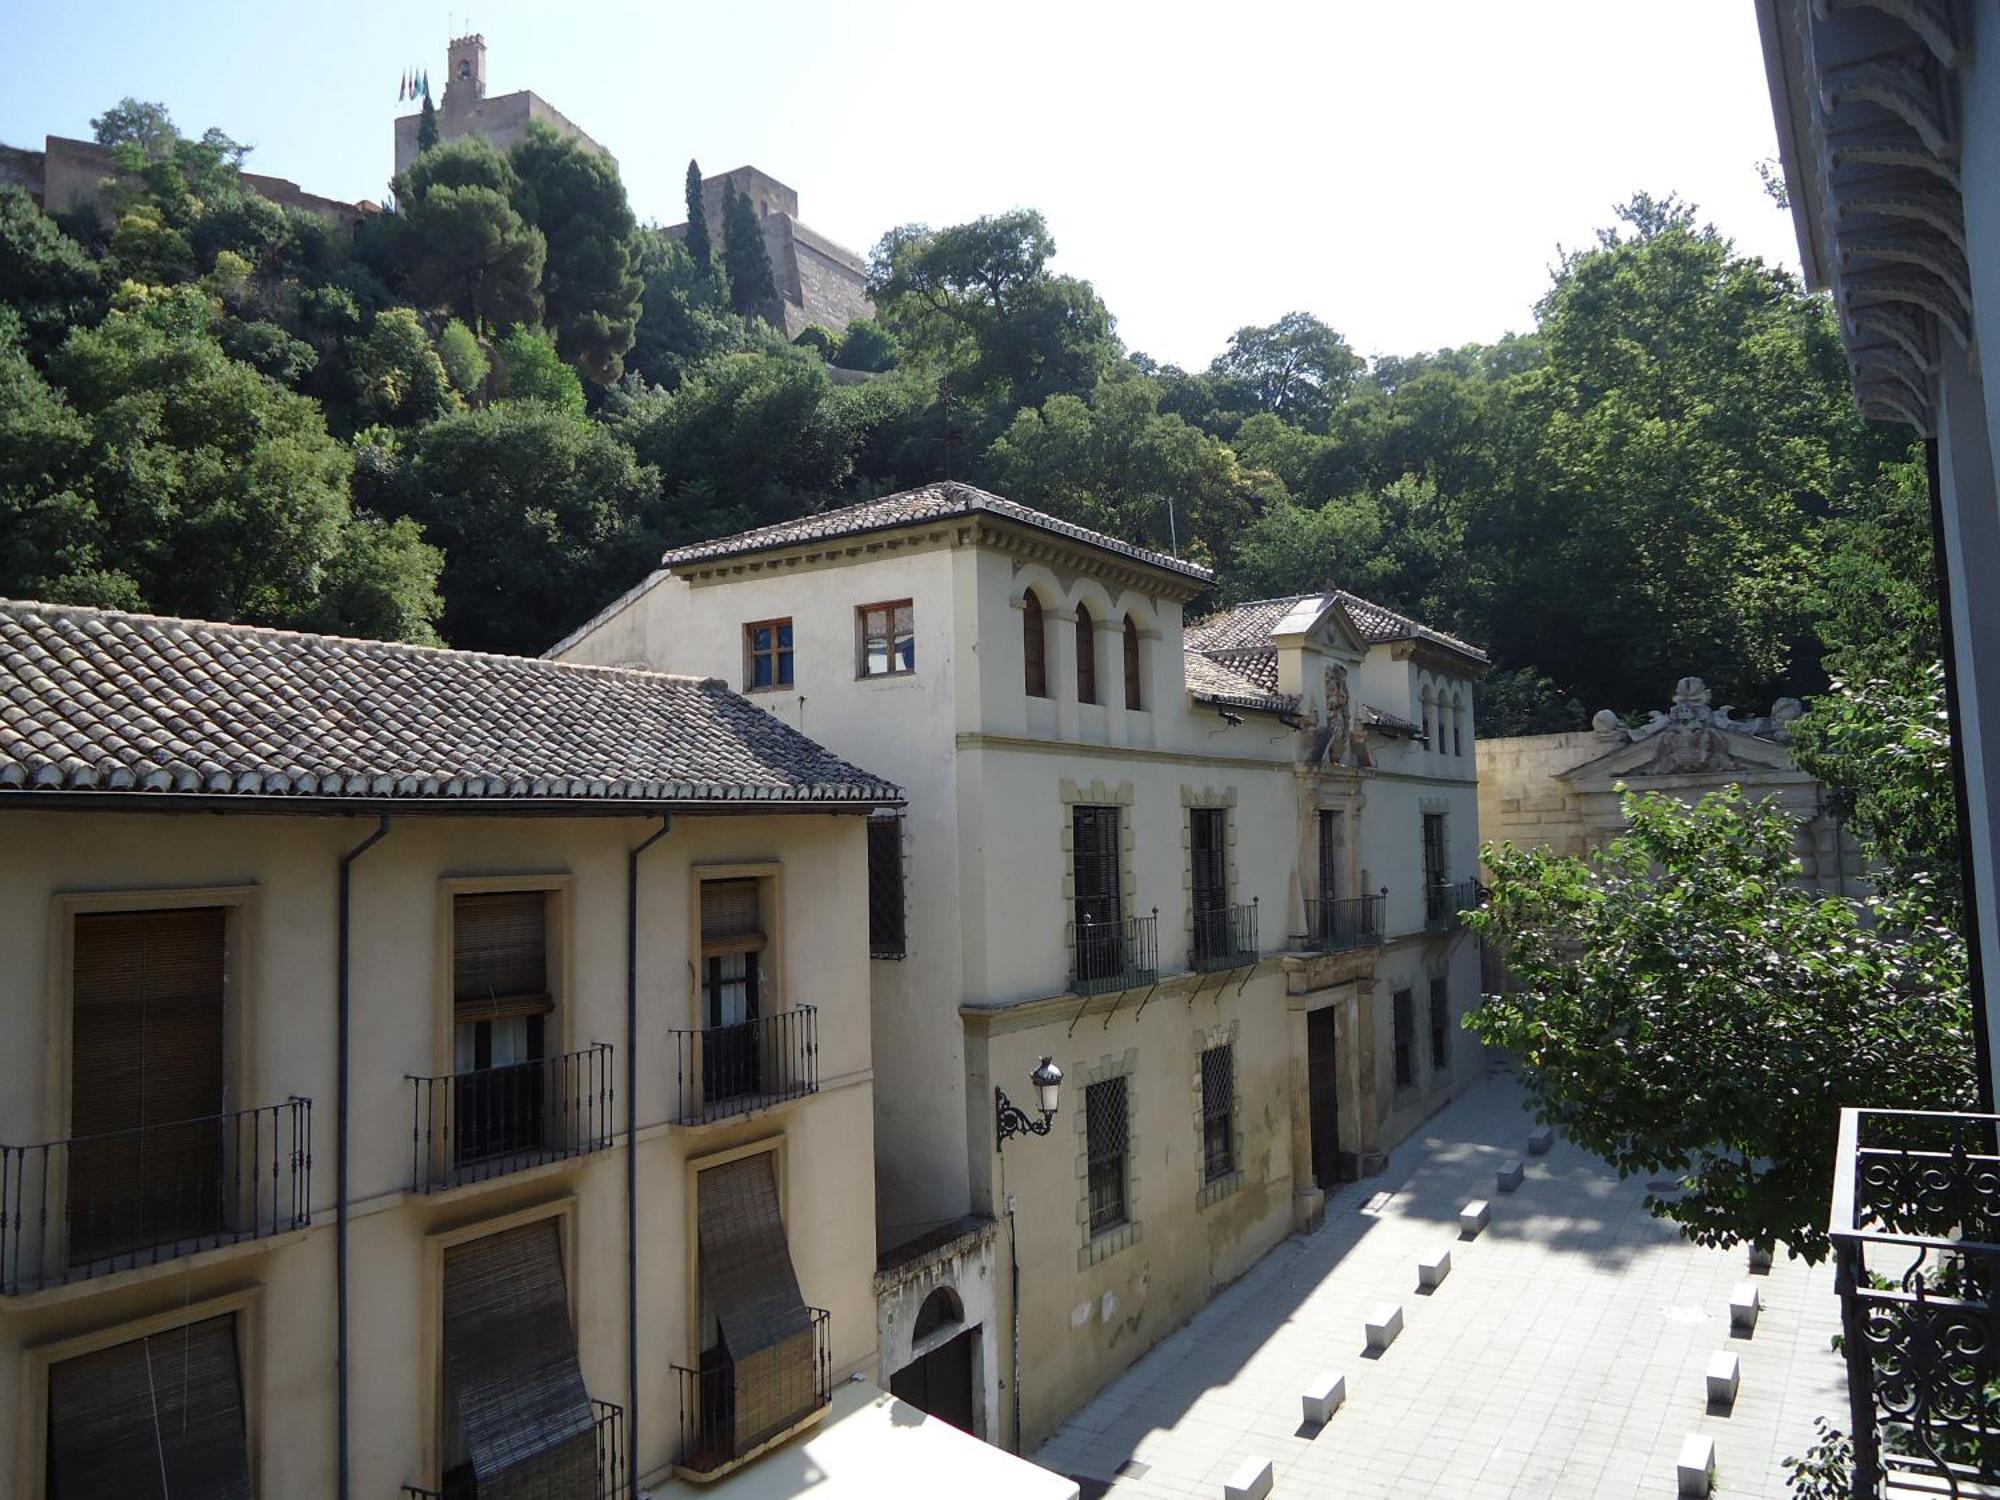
(1322, 1098)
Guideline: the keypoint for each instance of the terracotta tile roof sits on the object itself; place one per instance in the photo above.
(1250, 625)
(1209, 681)
(103, 702)
(926, 503)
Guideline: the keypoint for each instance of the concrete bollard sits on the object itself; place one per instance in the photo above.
(1383, 1325)
(1509, 1177)
(1744, 1305)
(1760, 1260)
(1540, 1141)
(1433, 1268)
(1472, 1218)
(1695, 1468)
(1725, 1373)
(1251, 1481)
(1323, 1398)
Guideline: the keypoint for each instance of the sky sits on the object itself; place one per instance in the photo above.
(1407, 170)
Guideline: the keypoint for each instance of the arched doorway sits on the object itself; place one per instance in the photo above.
(939, 1380)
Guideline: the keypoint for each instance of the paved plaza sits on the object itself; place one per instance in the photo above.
(1564, 1354)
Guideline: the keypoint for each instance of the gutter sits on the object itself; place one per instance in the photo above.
(632, 1136)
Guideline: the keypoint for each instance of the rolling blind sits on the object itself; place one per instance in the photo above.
(731, 914)
(516, 1409)
(749, 1288)
(1208, 855)
(159, 1418)
(499, 955)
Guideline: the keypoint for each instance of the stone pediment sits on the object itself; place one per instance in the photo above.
(1692, 739)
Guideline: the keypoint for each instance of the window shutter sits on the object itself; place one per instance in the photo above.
(885, 887)
(1034, 646)
(1094, 859)
(1207, 835)
(1133, 698)
(749, 1288)
(154, 1419)
(731, 915)
(516, 1409)
(1086, 657)
(499, 955)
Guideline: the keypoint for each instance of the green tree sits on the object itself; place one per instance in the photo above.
(427, 127)
(867, 345)
(753, 289)
(1297, 369)
(134, 122)
(461, 245)
(532, 369)
(590, 287)
(398, 376)
(383, 582)
(697, 240)
(1682, 1006)
(51, 536)
(682, 322)
(464, 359)
(47, 278)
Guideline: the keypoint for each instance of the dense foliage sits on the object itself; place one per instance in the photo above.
(1639, 488)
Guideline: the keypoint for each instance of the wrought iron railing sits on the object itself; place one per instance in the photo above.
(791, 1383)
(1445, 899)
(94, 1204)
(467, 1127)
(1120, 953)
(614, 1471)
(1336, 924)
(1916, 1238)
(721, 1071)
(1225, 937)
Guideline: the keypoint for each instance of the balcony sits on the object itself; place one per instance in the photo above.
(1445, 899)
(1342, 923)
(613, 1471)
(722, 1071)
(1225, 937)
(1916, 1239)
(1121, 953)
(467, 1127)
(95, 1204)
(786, 1384)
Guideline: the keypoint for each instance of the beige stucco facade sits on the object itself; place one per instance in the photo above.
(276, 876)
(993, 776)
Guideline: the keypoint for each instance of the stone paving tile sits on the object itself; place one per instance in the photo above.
(1563, 1357)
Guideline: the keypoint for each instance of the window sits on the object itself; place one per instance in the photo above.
(160, 1415)
(1332, 841)
(1086, 656)
(1404, 1010)
(1108, 1134)
(517, 1416)
(1094, 861)
(1208, 854)
(885, 887)
(1457, 725)
(501, 1004)
(1440, 1024)
(1434, 867)
(1430, 740)
(888, 638)
(147, 1083)
(732, 986)
(1133, 697)
(1034, 646)
(1218, 1099)
(767, 655)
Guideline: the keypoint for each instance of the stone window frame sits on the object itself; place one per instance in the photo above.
(1099, 794)
(1207, 1192)
(1095, 1249)
(1191, 799)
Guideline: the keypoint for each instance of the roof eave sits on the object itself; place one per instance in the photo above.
(76, 800)
(1792, 113)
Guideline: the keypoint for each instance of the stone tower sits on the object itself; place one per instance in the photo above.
(465, 72)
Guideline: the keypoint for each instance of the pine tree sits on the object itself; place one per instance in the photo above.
(753, 289)
(427, 128)
(697, 236)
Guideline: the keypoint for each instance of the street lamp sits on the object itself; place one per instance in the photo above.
(1047, 1080)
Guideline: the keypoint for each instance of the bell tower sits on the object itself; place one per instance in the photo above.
(465, 72)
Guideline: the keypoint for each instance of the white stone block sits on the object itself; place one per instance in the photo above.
(1509, 1177)
(1696, 1465)
(1760, 1260)
(1725, 1373)
(1744, 1305)
(1383, 1325)
(1541, 1140)
(1252, 1480)
(1324, 1397)
(1474, 1217)
(1433, 1268)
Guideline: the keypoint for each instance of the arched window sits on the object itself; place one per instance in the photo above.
(1086, 656)
(1034, 646)
(1430, 743)
(1133, 697)
(941, 1309)
(1457, 725)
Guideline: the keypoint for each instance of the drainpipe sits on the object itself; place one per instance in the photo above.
(341, 1117)
(632, 1138)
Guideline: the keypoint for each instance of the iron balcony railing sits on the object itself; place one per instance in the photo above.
(728, 1409)
(94, 1204)
(1225, 937)
(1916, 1240)
(720, 1071)
(1445, 899)
(1120, 953)
(1336, 924)
(613, 1469)
(467, 1127)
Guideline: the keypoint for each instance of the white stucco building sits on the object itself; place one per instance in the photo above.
(1212, 870)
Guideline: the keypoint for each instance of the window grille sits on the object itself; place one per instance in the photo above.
(1218, 1097)
(1440, 1024)
(885, 888)
(1108, 1132)
(1404, 1006)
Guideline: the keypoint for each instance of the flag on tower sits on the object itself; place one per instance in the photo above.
(403, 88)
(427, 83)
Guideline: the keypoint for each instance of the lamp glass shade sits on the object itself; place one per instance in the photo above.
(1047, 1079)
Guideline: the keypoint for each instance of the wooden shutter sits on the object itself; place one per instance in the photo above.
(1132, 694)
(1094, 860)
(159, 1418)
(731, 915)
(146, 1079)
(749, 1289)
(1034, 646)
(885, 887)
(1208, 853)
(1086, 657)
(1329, 855)
(499, 955)
(516, 1410)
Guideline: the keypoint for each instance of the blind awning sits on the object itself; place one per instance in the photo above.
(750, 1289)
(158, 1418)
(516, 1408)
(499, 955)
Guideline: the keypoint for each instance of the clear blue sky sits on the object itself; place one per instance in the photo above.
(1404, 170)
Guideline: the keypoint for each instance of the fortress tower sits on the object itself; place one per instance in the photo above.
(466, 110)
